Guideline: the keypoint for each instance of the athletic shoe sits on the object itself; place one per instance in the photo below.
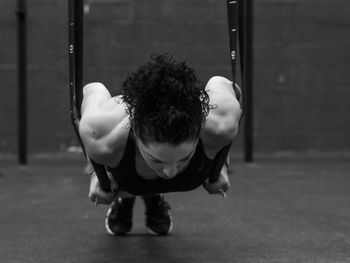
(158, 218)
(119, 216)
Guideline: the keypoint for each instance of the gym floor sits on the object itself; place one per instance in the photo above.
(277, 210)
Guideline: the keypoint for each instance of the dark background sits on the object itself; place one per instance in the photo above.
(301, 65)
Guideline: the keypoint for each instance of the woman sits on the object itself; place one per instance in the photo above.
(166, 132)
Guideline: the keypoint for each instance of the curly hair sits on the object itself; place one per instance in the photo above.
(166, 102)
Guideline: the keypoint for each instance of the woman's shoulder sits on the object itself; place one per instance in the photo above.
(105, 132)
(103, 120)
(224, 115)
(222, 96)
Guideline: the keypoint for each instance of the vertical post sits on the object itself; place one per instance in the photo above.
(248, 78)
(22, 81)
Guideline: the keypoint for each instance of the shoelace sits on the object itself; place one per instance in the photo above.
(159, 208)
(122, 207)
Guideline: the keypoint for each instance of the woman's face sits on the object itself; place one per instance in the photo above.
(165, 159)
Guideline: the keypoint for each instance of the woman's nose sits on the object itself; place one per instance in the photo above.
(170, 171)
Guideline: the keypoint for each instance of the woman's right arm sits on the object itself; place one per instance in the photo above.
(101, 135)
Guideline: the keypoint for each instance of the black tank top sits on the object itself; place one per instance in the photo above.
(125, 174)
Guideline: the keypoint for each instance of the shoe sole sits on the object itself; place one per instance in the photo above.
(109, 230)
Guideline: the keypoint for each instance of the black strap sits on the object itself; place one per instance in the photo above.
(101, 174)
(219, 162)
(232, 15)
(75, 29)
(235, 13)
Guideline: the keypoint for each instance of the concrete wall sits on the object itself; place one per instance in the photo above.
(301, 62)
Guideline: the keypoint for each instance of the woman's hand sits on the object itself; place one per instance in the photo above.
(220, 186)
(96, 193)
